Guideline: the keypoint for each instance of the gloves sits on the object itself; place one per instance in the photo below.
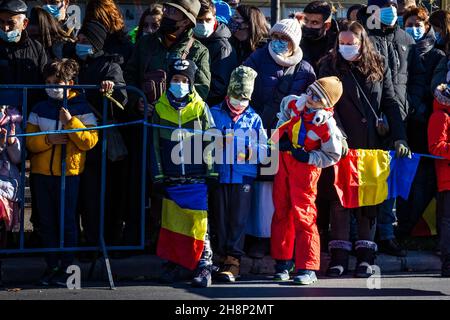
(401, 149)
(285, 144)
(300, 155)
(344, 148)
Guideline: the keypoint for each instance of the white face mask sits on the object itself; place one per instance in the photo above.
(239, 104)
(349, 52)
(55, 93)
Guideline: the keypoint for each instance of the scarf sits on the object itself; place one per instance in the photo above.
(234, 113)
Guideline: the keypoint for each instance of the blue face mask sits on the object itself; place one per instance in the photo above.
(280, 47)
(388, 15)
(204, 30)
(400, 21)
(84, 50)
(416, 33)
(54, 10)
(179, 90)
(349, 52)
(10, 36)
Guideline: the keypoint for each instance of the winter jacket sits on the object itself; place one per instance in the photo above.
(194, 116)
(232, 171)
(119, 44)
(418, 119)
(266, 84)
(98, 68)
(243, 49)
(151, 54)
(439, 143)
(223, 61)
(407, 70)
(45, 157)
(21, 63)
(440, 73)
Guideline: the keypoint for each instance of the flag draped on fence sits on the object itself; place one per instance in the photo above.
(368, 177)
(184, 224)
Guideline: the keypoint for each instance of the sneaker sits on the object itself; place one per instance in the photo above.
(47, 278)
(229, 271)
(283, 268)
(391, 247)
(305, 277)
(202, 277)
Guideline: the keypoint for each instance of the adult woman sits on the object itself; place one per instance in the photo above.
(249, 29)
(45, 29)
(368, 90)
(440, 21)
(149, 22)
(108, 14)
(423, 189)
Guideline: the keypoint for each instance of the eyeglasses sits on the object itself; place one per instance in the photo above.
(313, 95)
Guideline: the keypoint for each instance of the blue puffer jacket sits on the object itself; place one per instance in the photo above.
(243, 172)
(266, 102)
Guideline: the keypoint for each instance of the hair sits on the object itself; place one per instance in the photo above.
(205, 7)
(63, 69)
(370, 64)
(257, 24)
(319, 7)
(441, 19)
(154, 10)
(50, 30)
(420, 12)
(353, 8)
(107, 13)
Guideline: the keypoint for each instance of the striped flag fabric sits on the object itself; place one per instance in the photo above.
(184, 224)
(369, 177)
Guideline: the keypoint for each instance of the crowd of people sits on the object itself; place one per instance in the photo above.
(327, 85)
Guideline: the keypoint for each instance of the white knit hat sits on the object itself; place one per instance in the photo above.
(289, 27)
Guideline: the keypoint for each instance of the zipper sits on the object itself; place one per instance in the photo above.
(53, 152)
(183, 171)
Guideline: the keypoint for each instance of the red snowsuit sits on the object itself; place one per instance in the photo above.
(295, 191)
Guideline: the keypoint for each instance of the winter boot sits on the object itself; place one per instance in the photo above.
(365, 255)
(339, 252)
(229, 271)
(282, 270)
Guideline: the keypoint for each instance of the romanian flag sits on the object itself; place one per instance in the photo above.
(369, 177)
(184, 224)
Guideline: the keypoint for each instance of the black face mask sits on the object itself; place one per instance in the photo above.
(312, 33)
(168, 26)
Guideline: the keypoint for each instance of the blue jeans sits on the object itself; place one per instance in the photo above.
(48, 190)
(385, 220)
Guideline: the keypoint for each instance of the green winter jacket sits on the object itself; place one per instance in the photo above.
(151, 50)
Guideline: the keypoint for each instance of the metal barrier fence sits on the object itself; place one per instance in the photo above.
(101, 247)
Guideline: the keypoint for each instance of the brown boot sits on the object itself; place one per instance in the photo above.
(230, 270)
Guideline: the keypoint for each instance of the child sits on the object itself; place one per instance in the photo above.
(183, 239)
(310, 140)
(232, 198)
(46, 151)
(439, 145)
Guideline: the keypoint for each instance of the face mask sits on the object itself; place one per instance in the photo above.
(168, 26)
(179, 90)
(239, 104)
(10, 36)
(312, 33)
(349, 52)
(204, 30)
(388, 16)
(234, 26)
(400, 21)
(55, 93)
(53, 9)
(280, 47)
(416, 33)
(84, 50)
(145, 33)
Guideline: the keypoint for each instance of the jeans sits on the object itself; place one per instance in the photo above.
(386, 218)
(48, 190)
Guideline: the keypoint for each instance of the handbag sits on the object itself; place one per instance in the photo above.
(381, 122)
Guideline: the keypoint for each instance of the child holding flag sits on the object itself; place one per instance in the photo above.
(310, 140)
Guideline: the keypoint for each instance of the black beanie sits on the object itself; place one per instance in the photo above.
(96, 34)
(184, 67)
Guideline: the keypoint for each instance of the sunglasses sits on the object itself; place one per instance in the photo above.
(313, 95)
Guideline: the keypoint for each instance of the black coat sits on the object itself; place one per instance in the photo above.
(119, 44)
(418, 119)
(22, 63)
(243, 49)
(223, 60)
(407, 70)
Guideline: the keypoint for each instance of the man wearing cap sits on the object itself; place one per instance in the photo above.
(22, 59)
(170, 42)
(408, 78)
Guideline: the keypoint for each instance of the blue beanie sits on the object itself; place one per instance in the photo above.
(381, 3)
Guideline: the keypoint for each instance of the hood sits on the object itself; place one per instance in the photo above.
(222, 32)
(427, 43)
(442, 98)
